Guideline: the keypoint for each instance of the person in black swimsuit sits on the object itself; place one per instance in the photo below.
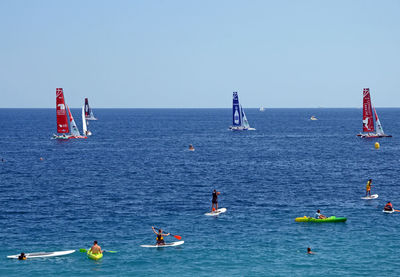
(160, 236)
(215, 201)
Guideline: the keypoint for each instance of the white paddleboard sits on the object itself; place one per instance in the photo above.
(43, 254)
(176, 243)
(373, 196)
(388, 212)
(217, 212)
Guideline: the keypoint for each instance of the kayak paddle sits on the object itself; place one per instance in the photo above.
(85, 250)
(175, 236)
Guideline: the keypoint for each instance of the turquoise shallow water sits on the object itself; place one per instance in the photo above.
(135, 172)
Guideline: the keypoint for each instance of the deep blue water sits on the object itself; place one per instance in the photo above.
(135, 172)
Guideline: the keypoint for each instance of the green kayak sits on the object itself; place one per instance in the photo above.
(95, 257)
(329, 219)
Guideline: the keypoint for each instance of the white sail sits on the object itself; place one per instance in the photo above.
(379, 129)
(74, 128)
(245, 122)
(84, 125)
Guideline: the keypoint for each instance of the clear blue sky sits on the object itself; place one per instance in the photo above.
(184, 54)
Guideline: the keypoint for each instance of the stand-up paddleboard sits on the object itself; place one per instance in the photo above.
(388, 212)
(217, 212)
(43, 254)
(176, 243)
(373, 196)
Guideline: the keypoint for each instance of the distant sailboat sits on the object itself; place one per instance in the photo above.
(88, 112)
(239, 119)
(262, 109)
(85, 124)
(370, 129)
(63, 128)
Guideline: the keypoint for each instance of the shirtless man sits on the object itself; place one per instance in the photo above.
(96, 249)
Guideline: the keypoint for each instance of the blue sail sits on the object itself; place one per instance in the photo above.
(236, 113)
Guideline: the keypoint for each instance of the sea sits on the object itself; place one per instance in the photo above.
(136, 172)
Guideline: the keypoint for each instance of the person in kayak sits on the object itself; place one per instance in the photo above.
(388, 207)
(22, 256)
(96, 249)
(368, 187)
(160, 236)
(318, 215)
(215, 201)
(309, 251)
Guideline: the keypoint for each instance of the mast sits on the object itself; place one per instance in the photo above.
(236, 111)
(62, 120)
(368, 119)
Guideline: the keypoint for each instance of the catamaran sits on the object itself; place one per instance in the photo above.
(371, 128)
(88, 112)
(239, 119)
(63, 128)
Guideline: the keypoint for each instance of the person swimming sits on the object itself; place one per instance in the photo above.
(309, 251)
(191, 148)
(318, 215)
(388, 207)
(368, 188)
(160, 236)
(22, 256)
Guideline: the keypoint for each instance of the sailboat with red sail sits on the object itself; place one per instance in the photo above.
(372, 127)
(65, 130)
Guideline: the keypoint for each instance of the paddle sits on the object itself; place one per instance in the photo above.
(85, 250)
(175, 236)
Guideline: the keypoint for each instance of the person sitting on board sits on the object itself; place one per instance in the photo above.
(191, 148)
(160, 236)
(368, 188)
(215, 201)
(309, 251)
(96, 249)
(22, 256)
(388, 207)
(318, 215)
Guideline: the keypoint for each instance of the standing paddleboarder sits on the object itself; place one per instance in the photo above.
(368, 188)
(215, 201)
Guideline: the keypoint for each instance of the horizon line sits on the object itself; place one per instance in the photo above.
(175, 108)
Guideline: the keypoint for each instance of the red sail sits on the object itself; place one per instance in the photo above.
(62, 119)
(368, 120)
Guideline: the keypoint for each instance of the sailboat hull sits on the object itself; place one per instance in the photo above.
(241, 128)
(68, 137)
(373, 136)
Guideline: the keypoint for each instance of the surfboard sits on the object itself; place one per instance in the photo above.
(217, 212)
(43, 254)
(373, 196)
(176, 243)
